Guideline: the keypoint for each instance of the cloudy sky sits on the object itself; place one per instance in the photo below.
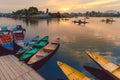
(61, 5)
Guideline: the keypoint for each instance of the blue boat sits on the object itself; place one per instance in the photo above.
(28, 45)
(35, 48)
(6, 40)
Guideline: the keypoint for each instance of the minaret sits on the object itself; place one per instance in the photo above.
(47, 10)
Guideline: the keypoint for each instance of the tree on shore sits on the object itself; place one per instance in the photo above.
(33, 10)
(26, 12)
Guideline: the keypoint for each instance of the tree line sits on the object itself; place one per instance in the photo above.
(101, 14)
(27, 12)
(34, 10)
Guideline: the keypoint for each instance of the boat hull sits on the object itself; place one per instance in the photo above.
(71, 73)
(4, 51)
(40, 63)
(104, 69)
(35, 48)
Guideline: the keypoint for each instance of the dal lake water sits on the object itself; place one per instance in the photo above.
(100, 37)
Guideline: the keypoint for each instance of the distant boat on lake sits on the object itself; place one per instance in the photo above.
(108, 20)
(80, 22)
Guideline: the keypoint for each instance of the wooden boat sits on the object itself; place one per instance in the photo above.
(49, 49)
(71, 73)
(18, 35)
(80, 22)
(109, 67)
(35, 48)
(28, 45)
(108, 20)
(6, 40)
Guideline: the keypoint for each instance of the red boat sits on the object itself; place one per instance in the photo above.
(6, 39)
(18, 35)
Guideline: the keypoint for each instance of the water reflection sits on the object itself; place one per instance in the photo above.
(102, 75)
(96, 36)
(35, 22)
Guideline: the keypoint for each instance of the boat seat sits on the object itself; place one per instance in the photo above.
(48, 49)
(110, 66)
(40, 55)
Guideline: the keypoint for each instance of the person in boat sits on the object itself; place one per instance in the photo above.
(80, 21)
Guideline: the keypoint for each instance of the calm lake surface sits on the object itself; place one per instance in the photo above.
(100, 37)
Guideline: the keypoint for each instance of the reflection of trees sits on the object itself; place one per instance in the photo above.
(33, 22)
(30, 21)
(56, 20)
(26, 21)
(49, 21)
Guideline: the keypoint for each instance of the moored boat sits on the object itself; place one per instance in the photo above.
(71, 73)
(49, 49)
(18, 35)
(108, 20)
(6, 40)
(109, 67)
(35, 48)
(28, 45)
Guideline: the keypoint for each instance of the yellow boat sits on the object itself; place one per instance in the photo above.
(109, 67)
(71, 73)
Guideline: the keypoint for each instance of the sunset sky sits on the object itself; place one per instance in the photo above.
(61, 5)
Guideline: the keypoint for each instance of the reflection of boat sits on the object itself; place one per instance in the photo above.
(28, 45)
(18, 35)
(102, 75)
(35, 48)
(71, 73)
(49, 49)
(6, 39)
(109, 67)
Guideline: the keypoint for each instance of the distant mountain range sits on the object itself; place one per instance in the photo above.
(111, 11)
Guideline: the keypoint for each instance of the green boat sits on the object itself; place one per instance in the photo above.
(28, 45)
(35, 48)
